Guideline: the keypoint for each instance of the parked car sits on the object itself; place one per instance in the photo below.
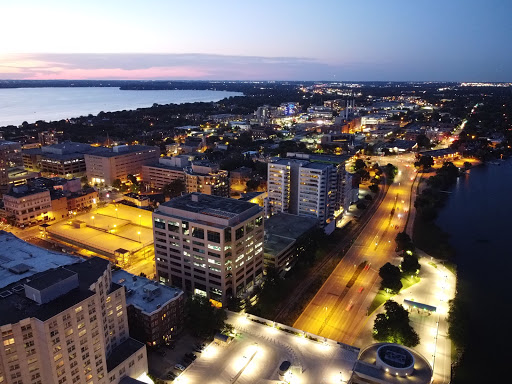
(170, 375)
(191, 356)
(179, 367)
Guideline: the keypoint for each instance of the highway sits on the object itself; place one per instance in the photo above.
(339, 309)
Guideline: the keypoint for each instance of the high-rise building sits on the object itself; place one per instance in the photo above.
(64, 324)
(206, 177)
(310, 185)
(209, 245)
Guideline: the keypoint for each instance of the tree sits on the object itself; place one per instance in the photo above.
(390, 170)
(390, 275)
(410, 264)
(204, 318)
(117, 183)
(174, 188)
(403, 242)
(374, 188)
(85, 181)
(252, 185)
(132, 179)
(359, 164)
(425, 162)
(393, 326)
(423, 141)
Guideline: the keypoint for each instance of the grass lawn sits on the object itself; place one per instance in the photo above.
(381, 297)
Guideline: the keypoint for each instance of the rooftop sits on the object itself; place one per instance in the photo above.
(201, 203)
(137, 289)
(19, 259)
(24, 190)
(122, 352)
(283, 229)
(15, 306)
(120, 150)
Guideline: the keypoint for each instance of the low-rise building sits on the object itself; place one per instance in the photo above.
(155, 311)
(206, 177)
(27, 205)
(165, 171)
(286, 236)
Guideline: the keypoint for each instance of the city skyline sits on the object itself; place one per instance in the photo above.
(332, 41)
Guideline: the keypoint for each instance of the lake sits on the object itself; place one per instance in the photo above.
(477, 216)
(31, 104)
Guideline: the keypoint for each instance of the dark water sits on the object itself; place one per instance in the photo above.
(478, 215)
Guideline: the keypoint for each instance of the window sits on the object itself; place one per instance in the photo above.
(214, 237)
(227, 235)
(173, 226)
(159, 223)
(239, 233)
(184, 227)
(198, 232)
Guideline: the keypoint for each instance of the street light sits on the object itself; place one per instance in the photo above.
(138, 233)
(117, 215)
(92, 217)
(140, 220)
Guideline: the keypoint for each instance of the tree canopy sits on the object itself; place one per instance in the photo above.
(391, 276)
(204, 318)
(393, 326)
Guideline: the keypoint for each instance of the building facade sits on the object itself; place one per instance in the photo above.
(209, 245)
(105, 165)
(68, 325)
(155, 311)
(27, 206)
(205, 177)
(165, 171)
(310, 185)
(10, 157)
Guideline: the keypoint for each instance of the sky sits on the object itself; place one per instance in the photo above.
(321, 40)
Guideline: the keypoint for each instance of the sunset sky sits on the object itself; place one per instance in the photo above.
(458, 40)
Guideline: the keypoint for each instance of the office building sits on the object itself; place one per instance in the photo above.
(155, 311)
(209, 245)
(206, 177)
(165, 171)
(104, 165)
(10, 157)
(64, 323)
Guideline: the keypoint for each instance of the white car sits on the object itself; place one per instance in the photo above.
(179, 367)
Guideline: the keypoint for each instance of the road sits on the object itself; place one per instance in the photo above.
(339, 309)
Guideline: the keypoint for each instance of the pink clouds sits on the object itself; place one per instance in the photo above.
(54, 73)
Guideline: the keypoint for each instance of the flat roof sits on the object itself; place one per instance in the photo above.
(15, 306)
(122, 352)
(201, 203)
(14, 252)
(439, 152)
(136, 296)
(109, 152)
(283, 229)
(49, 278)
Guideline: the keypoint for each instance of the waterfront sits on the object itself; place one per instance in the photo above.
(477, 216)
(31, 104)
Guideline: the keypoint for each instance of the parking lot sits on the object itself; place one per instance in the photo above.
(256, 352)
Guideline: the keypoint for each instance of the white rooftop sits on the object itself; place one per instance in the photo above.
(19, 259)
(147, 295)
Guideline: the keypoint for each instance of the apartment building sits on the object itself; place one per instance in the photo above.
(104, 165)
(64, 324)
(209, 245)
(165, 171)
(310, 185)
(155, 311)
(27, 205)
(205, 177)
